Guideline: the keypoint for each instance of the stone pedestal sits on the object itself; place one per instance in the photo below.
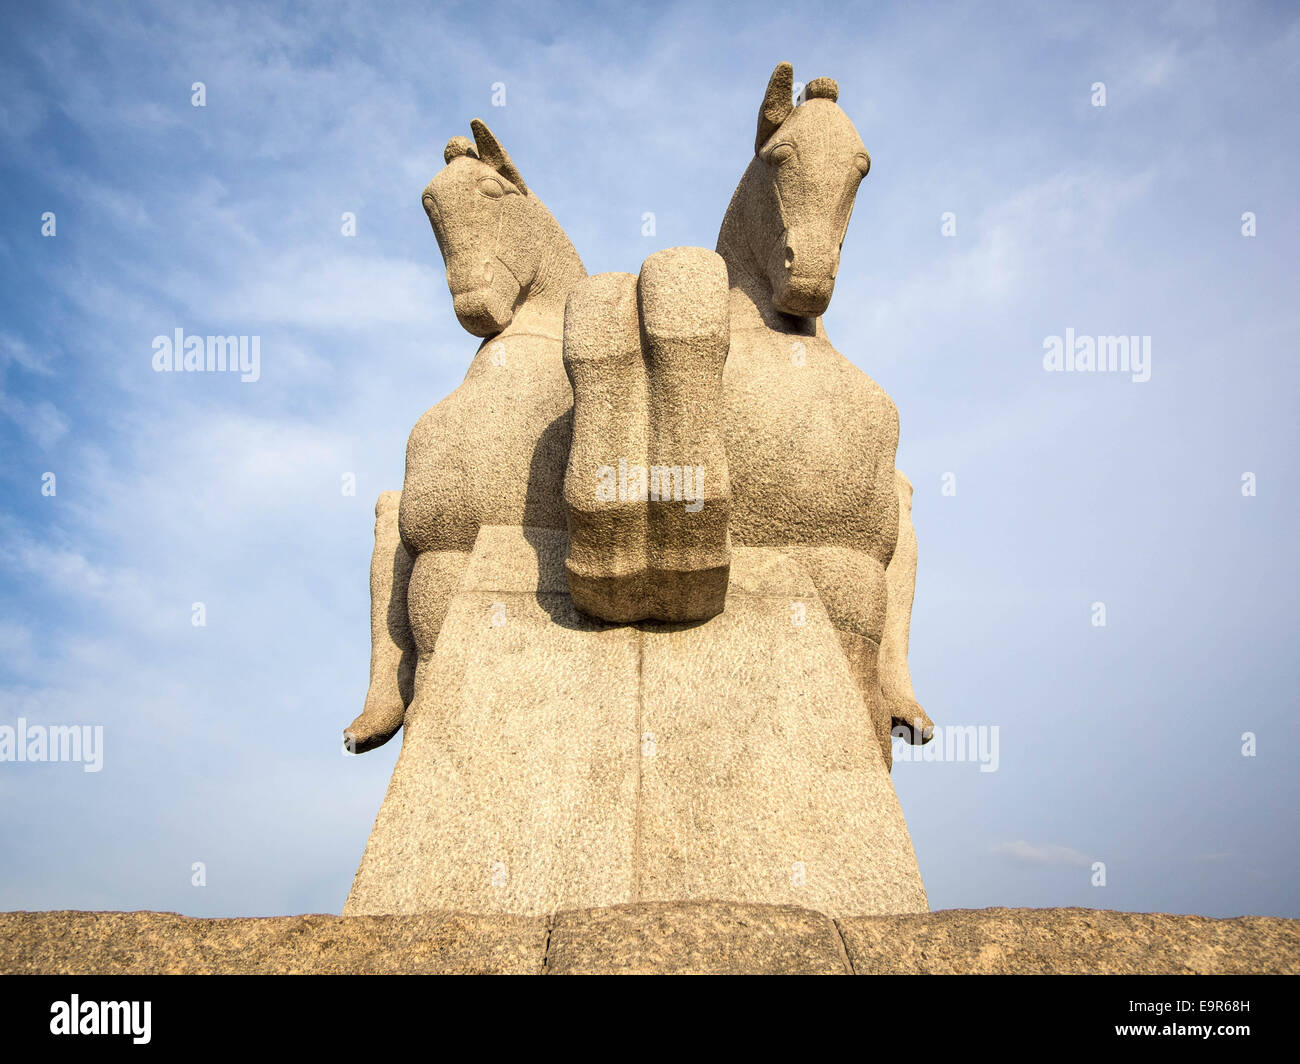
(554, 762)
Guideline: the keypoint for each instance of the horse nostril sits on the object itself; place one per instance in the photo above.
(789, 257)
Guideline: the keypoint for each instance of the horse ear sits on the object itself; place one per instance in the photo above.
(778, 102)
(491, 152)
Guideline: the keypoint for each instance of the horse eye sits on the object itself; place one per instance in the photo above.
(780, 154)
(491, 187)
(863, 163)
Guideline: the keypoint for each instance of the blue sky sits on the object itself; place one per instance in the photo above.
(1120, 744)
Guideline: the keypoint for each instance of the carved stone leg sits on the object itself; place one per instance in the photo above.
(853, 587)
(900, 579)
(647, 487)
(435, 577)
(863, 655)
(392, 647)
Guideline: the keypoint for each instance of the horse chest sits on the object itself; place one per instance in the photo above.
(811, 442)
(492, 452)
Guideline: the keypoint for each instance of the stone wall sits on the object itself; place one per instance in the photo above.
(679, 937)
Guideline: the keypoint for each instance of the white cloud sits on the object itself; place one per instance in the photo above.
(1011, 244)
(1048, 855)
(17, 647)
(41, 420)
(14, 351)
(312, 291)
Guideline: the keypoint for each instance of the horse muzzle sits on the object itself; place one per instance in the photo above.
(803, 277)
(482, 312)
(803, 297)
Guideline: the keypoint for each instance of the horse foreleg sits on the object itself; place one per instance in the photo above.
(392, 646)
(900, 585)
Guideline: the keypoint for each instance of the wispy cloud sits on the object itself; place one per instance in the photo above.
(1045, 855)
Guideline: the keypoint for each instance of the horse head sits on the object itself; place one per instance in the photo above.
(491, 230)
(797, 195)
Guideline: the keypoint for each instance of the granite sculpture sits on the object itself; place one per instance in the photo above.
(492, 452)
(657, 566)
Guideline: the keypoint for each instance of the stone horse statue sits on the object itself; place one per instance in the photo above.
(726, 362)
(670, 593)
(492, 452)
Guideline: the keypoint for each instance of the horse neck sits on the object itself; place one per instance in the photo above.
(557, 270)
(751, 294)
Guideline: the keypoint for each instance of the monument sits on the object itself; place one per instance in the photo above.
(641, 612)
(642, 604)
